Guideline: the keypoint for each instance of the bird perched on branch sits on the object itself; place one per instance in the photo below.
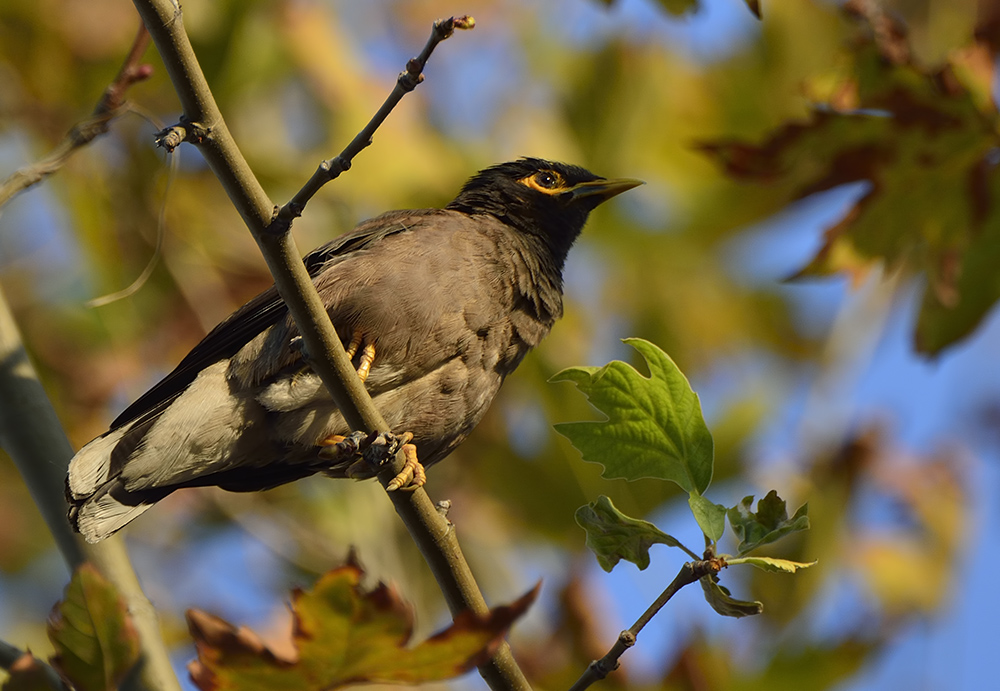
(436, 307)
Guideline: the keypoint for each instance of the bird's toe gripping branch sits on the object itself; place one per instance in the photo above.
(362, 455)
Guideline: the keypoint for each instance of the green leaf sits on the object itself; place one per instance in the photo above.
(772, 565)
(95, 642)
(768, 524)
(725, 604)
(344, 634)
(655, 428)
(613, 536)
(711, 517)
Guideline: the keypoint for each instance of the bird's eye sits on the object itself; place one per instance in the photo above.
(547, 180)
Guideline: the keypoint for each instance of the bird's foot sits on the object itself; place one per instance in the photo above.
(375, 450)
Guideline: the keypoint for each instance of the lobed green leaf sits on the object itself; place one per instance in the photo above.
(655, 428)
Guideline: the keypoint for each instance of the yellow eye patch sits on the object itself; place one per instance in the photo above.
(545, 181)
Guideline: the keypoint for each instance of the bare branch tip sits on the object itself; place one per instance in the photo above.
(444, 28)
(140, 73)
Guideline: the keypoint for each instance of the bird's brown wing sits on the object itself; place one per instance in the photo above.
(260, 313)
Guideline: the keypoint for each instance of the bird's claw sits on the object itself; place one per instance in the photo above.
(375, 450)
(383, 449)
(412, 475)
(340, 447)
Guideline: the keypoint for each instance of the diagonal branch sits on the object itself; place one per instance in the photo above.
(434, 535)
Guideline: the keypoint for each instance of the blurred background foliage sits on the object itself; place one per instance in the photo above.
(813, 388)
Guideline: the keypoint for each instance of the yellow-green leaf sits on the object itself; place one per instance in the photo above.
(772, 565)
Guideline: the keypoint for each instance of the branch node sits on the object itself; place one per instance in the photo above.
(627, 639)
(443, 507)
(184, 131)
(336, 166)
(411, 76)
(171, 137)
(444, 28)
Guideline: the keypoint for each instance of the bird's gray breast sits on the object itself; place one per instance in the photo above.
(451, 307)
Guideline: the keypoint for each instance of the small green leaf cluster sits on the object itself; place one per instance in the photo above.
(655, 429)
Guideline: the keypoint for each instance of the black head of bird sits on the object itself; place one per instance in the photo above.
(435, 307)
(548, 200)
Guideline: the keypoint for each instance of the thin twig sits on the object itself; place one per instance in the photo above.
(161, 231)
(109, 107)
(434, 536)
(11, 656)
(599, 669)
(406, 82)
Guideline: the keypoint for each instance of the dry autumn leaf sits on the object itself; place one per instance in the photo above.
(344, 634)
(924, 142)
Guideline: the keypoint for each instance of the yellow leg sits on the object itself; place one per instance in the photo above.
(367, 354)
(355, 343)
(367, 358)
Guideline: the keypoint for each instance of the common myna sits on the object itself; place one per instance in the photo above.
(436, 307)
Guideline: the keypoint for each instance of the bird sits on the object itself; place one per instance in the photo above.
(435, 307)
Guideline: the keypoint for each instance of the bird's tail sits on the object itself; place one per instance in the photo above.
(99, 505)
